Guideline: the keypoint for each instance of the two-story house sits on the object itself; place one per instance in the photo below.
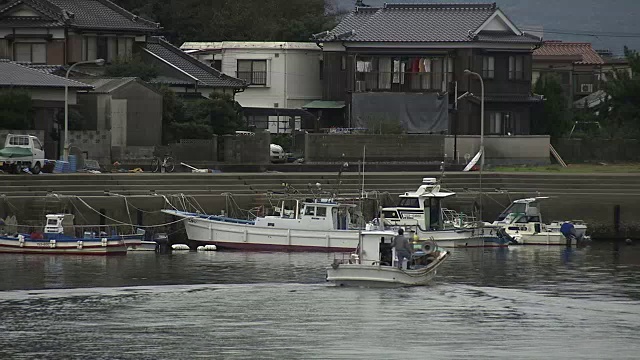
(577, 66)
(60, 32)
(407, 62)
(281, 78)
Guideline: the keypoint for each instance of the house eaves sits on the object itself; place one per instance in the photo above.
(186, 64)
(427, 23)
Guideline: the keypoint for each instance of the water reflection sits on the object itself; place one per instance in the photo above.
(485, 303)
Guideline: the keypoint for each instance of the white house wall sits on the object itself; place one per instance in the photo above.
(293, 76)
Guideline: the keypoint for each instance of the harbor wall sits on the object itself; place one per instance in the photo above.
(588, 197)
(500, 150)
(349, 147)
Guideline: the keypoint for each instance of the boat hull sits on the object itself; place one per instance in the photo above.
(238, 236)
(97, 247)
(543, 238)
(464, 238)
(363, 275)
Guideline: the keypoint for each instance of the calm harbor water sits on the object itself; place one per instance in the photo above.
(516, 303)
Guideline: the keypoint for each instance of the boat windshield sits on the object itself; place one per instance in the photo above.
(52, 222)
(390, 215)
(514, 208)
(409, 203)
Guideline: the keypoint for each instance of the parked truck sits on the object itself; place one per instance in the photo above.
(22, 152)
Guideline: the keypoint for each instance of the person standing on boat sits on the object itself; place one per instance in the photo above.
(402, 246)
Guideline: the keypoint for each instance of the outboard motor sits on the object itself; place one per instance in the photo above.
(505, 238)
(569, 231)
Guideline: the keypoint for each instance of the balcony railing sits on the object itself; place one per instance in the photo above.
(253, 77)
(401, 82)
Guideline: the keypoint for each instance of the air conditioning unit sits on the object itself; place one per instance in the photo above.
(361, 86)
(586, 88)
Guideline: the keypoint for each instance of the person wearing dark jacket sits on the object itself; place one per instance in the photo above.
(402, 246)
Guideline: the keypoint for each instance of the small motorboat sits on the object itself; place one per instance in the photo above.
(59, 237)
(374, 264)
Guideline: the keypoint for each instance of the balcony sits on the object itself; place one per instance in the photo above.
(253, 78)
(401, 82)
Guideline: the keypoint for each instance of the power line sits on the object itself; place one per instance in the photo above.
(591, 34)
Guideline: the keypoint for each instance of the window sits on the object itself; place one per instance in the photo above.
(19, 141)
(35, 53)
(516, 67)
(321, 211)
(488, 67)
(310, 210)
(501, 123)
(36, 144)
(254, 72)
(217, 64)
(409, 203)
(109, 48)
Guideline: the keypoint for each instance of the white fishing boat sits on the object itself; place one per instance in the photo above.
(421, 213)
(523, 222)
(139, 244)
(319, 225)
(59, 237)
(375, 264)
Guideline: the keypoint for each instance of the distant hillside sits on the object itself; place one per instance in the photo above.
(602, 17)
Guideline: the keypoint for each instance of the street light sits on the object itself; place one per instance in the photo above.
(98, 62)
(468, 73)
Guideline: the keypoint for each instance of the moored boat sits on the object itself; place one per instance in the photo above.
(59, 237)
(375, 265)
(318, 225)
(421, 213)
(522, 221)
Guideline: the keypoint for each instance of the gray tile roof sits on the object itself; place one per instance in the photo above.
(206, 75)
(416, 23)
(15, 75)
(107, 85)
(82, 14)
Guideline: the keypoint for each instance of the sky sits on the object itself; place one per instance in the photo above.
(611, 24)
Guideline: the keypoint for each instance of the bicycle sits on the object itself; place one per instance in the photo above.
(166, 163)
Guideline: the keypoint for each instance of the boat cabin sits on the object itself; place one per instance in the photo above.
(411, 208)
(59, 224)
(522, 211)
(312, 215)
(375, 247)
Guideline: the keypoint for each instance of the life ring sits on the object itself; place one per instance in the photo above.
(429, 247)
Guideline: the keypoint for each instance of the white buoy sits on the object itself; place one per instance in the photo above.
(207, 248)
(180, 247)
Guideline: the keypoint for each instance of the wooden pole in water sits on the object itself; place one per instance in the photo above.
(616, 221)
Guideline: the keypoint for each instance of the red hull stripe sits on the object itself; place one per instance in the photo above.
(273, 247)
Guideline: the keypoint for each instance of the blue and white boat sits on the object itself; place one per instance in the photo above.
(59, 238)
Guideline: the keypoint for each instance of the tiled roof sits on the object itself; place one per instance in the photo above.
(15, 75)
(107, 85)
(47, 69)
(557, 48)
(417, 23)
(83, 14)
(205, 74)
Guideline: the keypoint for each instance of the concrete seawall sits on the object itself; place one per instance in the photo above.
(588, 197)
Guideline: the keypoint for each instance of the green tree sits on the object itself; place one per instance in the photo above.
(16, 110)
(132, 68)
(623, 105)
(200, 119)
(217, 20)
(554, 118)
